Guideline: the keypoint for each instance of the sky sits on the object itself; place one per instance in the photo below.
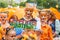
(18, 1)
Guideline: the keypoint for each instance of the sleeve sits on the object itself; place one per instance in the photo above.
(0, 36)
(50, 34)
(2, 31)
(38, 24)
(7, 25)
(57, 26)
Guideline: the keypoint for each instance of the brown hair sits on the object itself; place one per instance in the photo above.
(39, 11)
(13, 17)
(52, 15)
(6, 12)
(29, 9)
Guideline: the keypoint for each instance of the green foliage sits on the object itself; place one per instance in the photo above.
(30, 1)
(15, 5)
(22, 4)
(12, 3)
(3, 4)
(46, 3)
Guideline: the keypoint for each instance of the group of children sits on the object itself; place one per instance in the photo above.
(45, 27)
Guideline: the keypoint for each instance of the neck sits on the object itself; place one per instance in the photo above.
(43, 24)
(28, 18)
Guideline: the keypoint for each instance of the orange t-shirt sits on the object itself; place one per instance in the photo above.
(0, 36)
(46, 33)
(0, 33)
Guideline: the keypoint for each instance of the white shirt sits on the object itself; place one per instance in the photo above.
(57, 26)
(6, 25)
(38, 26)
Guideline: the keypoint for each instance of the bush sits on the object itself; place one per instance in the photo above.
(3, 5)
(15, 5)
(22, 4)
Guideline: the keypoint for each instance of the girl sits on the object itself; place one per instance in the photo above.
(45, 28)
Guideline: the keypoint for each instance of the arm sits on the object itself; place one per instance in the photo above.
(57, 26)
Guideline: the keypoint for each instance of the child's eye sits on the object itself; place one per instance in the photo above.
(13, 36)
(5, 17)
(1, 17)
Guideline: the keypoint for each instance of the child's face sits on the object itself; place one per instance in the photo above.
(43, 17)
(3, 17)
(11, 35)
(28, 13)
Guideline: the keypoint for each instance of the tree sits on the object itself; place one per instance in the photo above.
(50, 3)
(15, 5)
(22, 4)
(3, 4)
(46, 3)
(30, 1)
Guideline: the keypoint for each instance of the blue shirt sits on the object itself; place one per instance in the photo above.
(18, 31)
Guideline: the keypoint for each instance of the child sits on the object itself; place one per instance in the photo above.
(28, 17)
(51, 21)
(45, 28)
(10, 34)
(4, 22)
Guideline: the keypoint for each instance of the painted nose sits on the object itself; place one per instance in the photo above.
(28, 12)
(2, 19)
(43, 17)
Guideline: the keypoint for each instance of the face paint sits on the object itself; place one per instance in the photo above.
(43, 17)
(28, 12)
(3, 17)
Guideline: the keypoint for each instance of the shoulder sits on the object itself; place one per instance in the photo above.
(48, 26)
(7, 25)
(33, 19)
(22, 19)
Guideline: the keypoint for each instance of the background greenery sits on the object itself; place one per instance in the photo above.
(3, 4)
(46, 3)
(40, 3)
